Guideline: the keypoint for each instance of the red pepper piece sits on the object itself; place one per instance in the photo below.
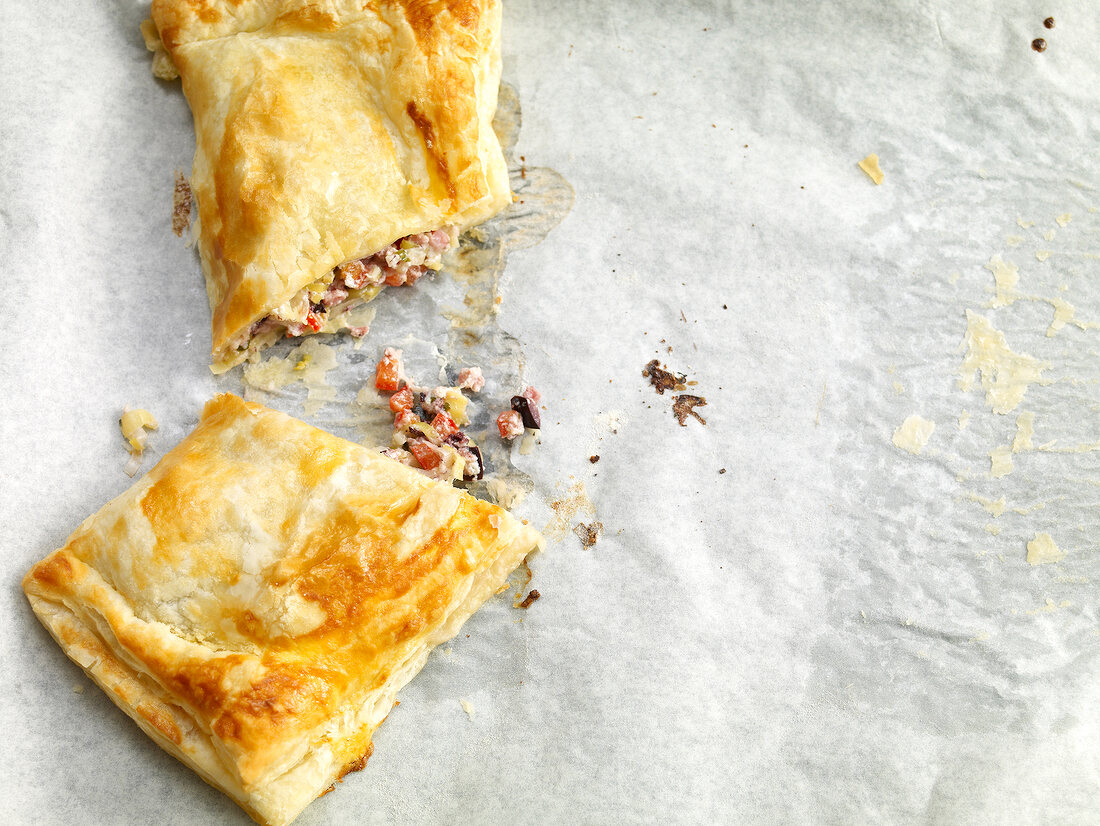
(386, 377)
(509, 424)
(425, 454)
(401, 400)
(444, 425)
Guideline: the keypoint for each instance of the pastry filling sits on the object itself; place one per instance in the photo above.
(327, 305)
(427, 423)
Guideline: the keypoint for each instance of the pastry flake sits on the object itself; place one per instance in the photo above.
(870, 166)
(340, 147)
(256, 601)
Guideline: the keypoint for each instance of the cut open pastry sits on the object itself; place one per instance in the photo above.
(255, 602)
(340, 147)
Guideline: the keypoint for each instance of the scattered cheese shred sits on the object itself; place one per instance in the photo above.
(468, 707)
(871, 167)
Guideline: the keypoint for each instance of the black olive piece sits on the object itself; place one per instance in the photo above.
(527, 411)
(474, 449)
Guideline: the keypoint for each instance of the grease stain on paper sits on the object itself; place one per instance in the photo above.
(913, 434)
(541, 198)
(1042, 550)
(995, 507)
(1006, 276)
(1005, 374)
(574, 503)
(1050, 607)
(307, 363)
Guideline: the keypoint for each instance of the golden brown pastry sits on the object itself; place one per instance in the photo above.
(340, 146)
(255, 602)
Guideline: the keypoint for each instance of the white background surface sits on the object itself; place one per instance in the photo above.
(828, 632)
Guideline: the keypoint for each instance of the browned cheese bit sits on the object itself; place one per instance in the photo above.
(588, 534)
(531, 597)
(181, 205)
(684, 406)
(662, 379)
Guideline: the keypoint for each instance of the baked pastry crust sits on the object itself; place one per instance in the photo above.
(327, 129)
(255, 602)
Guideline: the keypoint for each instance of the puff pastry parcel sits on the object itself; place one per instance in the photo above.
(341, 145)
(255, 602)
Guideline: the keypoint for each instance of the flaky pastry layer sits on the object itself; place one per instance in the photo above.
(327, 129)
(256, 601)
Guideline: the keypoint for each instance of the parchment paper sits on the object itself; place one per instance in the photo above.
(832, 630)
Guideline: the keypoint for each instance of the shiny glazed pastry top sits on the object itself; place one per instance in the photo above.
(256, 601)
(340, 147)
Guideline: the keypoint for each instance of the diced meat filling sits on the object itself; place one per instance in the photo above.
(470, 378)
(510, 425)
(426, 424)
(403, 262)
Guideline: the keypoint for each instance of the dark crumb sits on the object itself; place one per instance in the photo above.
(1049, 22)
(531, 597)
(1039, 45)
(181, 205)
(721, 470)
(684, 406)
(662, 379)
(588, 534)
(594, 459)
(724, 307)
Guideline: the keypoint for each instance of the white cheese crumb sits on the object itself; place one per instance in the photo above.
(468, 707)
